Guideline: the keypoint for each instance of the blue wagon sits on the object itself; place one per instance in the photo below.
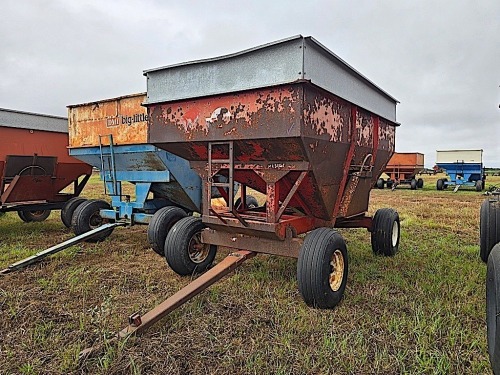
(111, 135)
(463, 167)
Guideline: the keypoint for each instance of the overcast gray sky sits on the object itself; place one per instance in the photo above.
(440, 59)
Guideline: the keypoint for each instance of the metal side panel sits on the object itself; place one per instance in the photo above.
(261, 67)
(334, 76)
(189, 190)
(128, 158)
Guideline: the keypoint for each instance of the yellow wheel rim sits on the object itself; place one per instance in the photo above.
(336, 270)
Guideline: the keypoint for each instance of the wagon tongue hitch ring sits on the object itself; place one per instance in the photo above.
(57, 248)
(139, 323)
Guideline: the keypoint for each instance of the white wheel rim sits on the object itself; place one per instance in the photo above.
(395, 233)
(336, 270)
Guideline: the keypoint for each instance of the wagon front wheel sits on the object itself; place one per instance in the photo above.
(380, 183)
(69, 209)
(413, 184)
(420, 183)
(87, 217)
(184, 251)
(161, 223)
(385, 233)
(322, 268)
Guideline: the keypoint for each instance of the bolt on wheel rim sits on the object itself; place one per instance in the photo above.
(197, 250)
(336, 270)
(395, 233)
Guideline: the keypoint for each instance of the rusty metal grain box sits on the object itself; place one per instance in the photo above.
(122, 117)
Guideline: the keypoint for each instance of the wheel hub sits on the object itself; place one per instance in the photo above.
(336, 270)
(37, 213)
(95, 220)
(197, 250)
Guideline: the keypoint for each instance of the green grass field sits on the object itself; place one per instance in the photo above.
(420, 312)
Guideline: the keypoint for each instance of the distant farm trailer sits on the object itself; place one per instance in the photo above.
(464, 168)
(402, 169)
(35, 166)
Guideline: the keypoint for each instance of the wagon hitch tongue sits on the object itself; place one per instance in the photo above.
(139, 323)
(55, 249)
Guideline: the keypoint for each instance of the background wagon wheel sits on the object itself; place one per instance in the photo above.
(479, 185)
(493, 307)
(87, 217)
(389, 184)
(385, 233)
(184, 251)
(413, 184)
(160, 225)
(380, 183)
(420, 183)
(35, 215)
(69, 209)
(250, 202)
(322, 268)
(440, 184)
(489, 227)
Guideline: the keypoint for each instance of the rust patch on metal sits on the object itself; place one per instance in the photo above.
(124, 117)
(325, 117)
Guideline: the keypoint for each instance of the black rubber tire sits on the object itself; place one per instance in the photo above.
(383, 237)
(389, 184)
(440, 184)
(413, 184)
(380, 183)
(178, 244)
(493, 308)
(314, 268)
(33, 216)
(479, 185)
(250, 202)
(420, 183)
(445, 185)
(69, 209)
(86, 217)
(160, 224)
(489, 227)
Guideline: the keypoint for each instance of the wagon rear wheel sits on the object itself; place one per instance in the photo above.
(493, 307)
(69, 209)
(36, 215)
(413, 184)
(87, 217)
(322, 268)
(250, 202)
(184, 251)
(385, 233)
(489, 227)
(420, 183)
(380, 183)
(161, 223)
